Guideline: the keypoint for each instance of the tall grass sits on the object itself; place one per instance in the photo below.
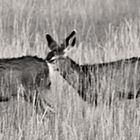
(107, 30)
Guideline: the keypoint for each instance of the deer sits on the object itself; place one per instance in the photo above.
(29, 73)
(120, 78)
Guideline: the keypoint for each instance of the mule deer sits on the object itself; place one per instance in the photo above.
(93, 82)
(30, 72)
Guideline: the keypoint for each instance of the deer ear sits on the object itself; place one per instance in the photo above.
(51, 42)
(71, 39)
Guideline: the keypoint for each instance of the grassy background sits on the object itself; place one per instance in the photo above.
(106, 30)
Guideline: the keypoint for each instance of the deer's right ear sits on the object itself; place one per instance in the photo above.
(51, 42)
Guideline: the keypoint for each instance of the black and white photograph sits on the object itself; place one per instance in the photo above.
(69, 70)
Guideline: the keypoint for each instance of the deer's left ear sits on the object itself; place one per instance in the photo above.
(70, 39)
(52, 44)
(72, 42)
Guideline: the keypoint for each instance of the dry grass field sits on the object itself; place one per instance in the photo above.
(107, 30)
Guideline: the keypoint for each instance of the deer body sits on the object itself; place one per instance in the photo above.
(93, 82)
(121, 77)
(29, 71)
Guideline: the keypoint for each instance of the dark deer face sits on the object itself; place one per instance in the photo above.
(59, 51)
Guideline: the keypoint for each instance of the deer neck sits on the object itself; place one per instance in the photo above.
(77, 76)
(70, 71)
